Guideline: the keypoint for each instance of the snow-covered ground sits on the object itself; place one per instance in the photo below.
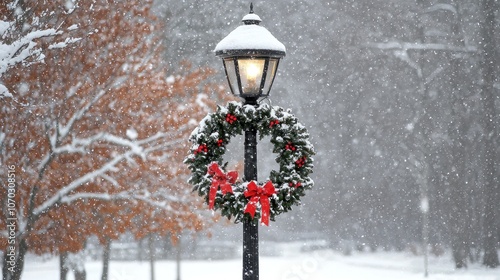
(318, 265)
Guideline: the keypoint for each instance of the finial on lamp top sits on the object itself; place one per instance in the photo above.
(251, 18)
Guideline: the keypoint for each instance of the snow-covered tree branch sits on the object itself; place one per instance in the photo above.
(98, 132)
(406, 46)
(21, 46)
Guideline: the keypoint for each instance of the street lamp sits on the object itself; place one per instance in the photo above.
(251, 55)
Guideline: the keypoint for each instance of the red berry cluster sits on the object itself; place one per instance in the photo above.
(300, 162)
(220, 142)
(273, 123)
(290, 146)
(296, 185)
(201, 149)
(231, 118)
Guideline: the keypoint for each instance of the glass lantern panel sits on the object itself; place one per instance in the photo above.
(251, 70)
(231, 75)
(271, 72)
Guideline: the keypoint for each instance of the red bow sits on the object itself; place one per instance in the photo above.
(220, 179)
(262, 194)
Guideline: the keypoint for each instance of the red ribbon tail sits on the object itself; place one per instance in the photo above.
(265, 209)
(252, 206)
(211, 195)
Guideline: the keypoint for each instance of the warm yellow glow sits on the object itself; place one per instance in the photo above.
(251, 71)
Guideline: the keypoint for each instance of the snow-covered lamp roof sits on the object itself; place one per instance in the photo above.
(250, 39)
(251, 16)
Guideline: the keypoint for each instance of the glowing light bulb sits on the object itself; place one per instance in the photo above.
(251, 74)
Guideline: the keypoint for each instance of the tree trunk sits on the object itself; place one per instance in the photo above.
(140, 249)
(178, 259)
(16, 275)
(151, 256)
(459, 253)
(460, 190)
(488, 92)
(63, 268)
(77, 264)
(8, 266)
(105, 259)
(22, 248)
(459, 215)
(80, 274)
(13, 272)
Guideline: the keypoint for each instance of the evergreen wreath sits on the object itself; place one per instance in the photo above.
(234, 198)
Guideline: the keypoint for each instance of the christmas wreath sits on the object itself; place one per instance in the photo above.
(249, 200)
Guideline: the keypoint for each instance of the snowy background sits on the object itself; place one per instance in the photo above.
(392, 93)
(97, 100)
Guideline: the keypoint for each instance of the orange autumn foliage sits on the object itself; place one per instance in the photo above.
(98, 133)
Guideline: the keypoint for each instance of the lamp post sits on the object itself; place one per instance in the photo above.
(251, 55)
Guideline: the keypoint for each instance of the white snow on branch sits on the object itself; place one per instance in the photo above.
(63, 130)
(442, 7)
(98, 196)
(4, 92)
(135, 148)
(132, 133)
(80, 145)
(4, 26)
(24, 49)
(70, 6)
(403, 55)
(64, 44)
(162, 202)
(433, 75)
(64, 191)
(73, 27)
(405, 46)
(111, 180)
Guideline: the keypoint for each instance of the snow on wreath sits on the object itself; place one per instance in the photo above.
(250, 200)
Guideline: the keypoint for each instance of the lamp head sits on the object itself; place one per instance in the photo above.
(251, 55)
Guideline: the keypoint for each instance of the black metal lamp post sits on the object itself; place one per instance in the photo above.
(251, 55)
